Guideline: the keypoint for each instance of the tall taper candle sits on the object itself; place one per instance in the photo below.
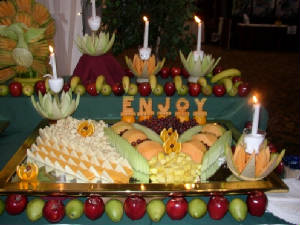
(255, 119)
(93, 9)
(53, 62)
(198, 21)
(146, 32)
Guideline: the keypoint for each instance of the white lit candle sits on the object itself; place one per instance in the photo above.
(93, 9)
(198, 21)
(53, 62)
(146, 32)
(255, 119)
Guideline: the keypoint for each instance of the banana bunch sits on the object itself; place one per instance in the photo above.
(95, 45)
(225, 77)
(144, 68)
(200, 67)
(54, 108)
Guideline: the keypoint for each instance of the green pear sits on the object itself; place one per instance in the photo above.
(2, 206)
(158, 90)
(4, 90)
(133, 89)
(99, 83)
(197, 208)
(114, 210)
(156, 209)
(27, 90)
(80, 89)
(183, 90)
(74, 209)
(106, 90)
(238, 209)
(74, 82)
(34, 209)
(207, 90)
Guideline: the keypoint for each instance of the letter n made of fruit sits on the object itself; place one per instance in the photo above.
(182, 106)
(200, 114)
(163, 110)
(145, 109)
(128, 114)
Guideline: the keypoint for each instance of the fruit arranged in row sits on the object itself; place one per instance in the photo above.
(225, 81)
(135, 207)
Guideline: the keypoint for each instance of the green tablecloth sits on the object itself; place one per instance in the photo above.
(23, 119)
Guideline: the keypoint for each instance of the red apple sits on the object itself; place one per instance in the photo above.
(236, 79)
(40, 86)
(280, 168)
(91, 89)
(177, 208)
(169, 88)
(15, 89)
(217, 207)
(175, 71)
(128, 72)
(94, 207)
(185, 73)
(117, 89)
(244, 89)
(165, 72)
(248, 125)
(194, 89)
(15, 203)
(272, 148)
(135, 207)
(217, 69)
(257, 203)
(54, 211)
(66, 87)
(144, 89)
(219, 90)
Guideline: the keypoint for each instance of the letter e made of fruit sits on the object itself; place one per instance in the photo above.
(145, 109)
(182, 106)
(163, 110)
(128, 113)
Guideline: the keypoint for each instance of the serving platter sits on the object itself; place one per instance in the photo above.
(8, 184)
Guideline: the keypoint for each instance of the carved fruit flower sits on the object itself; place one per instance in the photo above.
(27, 172)
(86, 129)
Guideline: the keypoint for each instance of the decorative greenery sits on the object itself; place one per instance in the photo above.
(168, 30)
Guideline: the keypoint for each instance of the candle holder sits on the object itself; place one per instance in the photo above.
(198, 64)
(145, 53)
(94, 23)
(143, 69)
(253, 141)
(55, 84)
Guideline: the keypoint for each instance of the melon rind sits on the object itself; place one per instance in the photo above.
(126, 150)
(188, 134)
(150, 133)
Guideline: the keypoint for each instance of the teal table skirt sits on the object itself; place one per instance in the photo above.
(23, 119)
(267, 218)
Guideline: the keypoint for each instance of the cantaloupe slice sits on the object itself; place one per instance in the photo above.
(120, 126)
(239, 158)
(207, 138)
(149, 149)
(133, 135)
(195, 149)
(213, 128)
(261, 160)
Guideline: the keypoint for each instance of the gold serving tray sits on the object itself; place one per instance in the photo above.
(271, 184)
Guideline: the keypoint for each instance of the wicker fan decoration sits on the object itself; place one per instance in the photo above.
(26, 31)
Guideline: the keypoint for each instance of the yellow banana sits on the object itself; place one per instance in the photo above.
(125, 83)
(226, 73)
(202, 81)
(178, 82)
(153, 81)
(99, 83)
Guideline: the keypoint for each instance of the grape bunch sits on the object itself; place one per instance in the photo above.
(169, 122)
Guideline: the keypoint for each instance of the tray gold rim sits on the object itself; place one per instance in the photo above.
(271, 184)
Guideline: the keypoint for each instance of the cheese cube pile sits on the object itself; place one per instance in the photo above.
(64, 152)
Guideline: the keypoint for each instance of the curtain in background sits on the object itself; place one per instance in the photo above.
(68, 22)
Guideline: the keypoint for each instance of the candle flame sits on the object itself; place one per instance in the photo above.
(50, 48)
(254, 99)
(145, 18)
(197, 19)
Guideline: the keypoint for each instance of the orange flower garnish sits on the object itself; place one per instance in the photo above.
(165, 134)
(171, 145)
(86, 129)
(27, 172)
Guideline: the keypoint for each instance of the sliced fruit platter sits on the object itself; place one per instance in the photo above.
(80, 157)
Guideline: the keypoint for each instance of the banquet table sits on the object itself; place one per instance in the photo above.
(23, 118)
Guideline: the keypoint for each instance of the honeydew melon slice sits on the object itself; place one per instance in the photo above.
(150, 133)
(188, 134)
